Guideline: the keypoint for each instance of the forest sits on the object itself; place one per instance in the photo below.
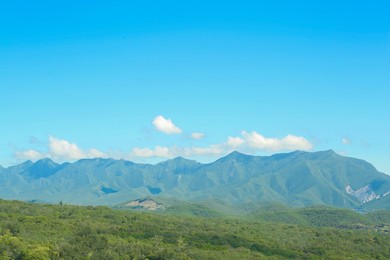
(44, 231)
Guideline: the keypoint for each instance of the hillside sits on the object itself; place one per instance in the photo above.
(39, 231)
(238, 181)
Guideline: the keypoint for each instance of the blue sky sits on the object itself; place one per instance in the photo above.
(153, 80)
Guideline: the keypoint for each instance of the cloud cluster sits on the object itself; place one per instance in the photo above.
(234, 142)
(30, 154)
(60, 150)
(64, 150)
(166, 126)
(287, 143)
(248, 142)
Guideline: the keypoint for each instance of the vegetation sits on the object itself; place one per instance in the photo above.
(322, 216)
(39, 231)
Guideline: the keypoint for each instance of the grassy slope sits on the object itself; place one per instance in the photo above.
(37, 231)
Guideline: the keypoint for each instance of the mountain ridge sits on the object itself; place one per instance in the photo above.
(296, 178)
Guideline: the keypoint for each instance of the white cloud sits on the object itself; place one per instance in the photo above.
(30, 154)
(234, 142)
(342, 152)
(346, 141)
(287, 143)
(249, 142)
(60, 150)
(213, 149)
(174, 151)
(197, 136)
(158, 151)
(94, 153)
(63, 150)
(165, 125)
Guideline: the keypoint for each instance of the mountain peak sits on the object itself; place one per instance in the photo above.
(179, 160)
(96, 161)
(41, 168)
(236, 153)
(235, 156)
(46, 161)
(26, 164)
(329, 152)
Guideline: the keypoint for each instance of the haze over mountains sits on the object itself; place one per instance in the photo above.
(237, 180)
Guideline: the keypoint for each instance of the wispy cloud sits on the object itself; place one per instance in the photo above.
(174, 151)
(198, 136)
(158, 151)
(346, 141)
(166, 125)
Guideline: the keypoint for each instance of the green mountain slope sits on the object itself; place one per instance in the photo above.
(237, 181)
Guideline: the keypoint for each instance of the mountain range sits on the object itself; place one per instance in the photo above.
(236, 180)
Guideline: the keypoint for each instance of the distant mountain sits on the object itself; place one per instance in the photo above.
(236, 180)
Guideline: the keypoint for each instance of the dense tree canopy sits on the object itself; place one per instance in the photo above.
(38, 231)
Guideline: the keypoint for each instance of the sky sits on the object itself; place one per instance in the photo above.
(151, 80)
